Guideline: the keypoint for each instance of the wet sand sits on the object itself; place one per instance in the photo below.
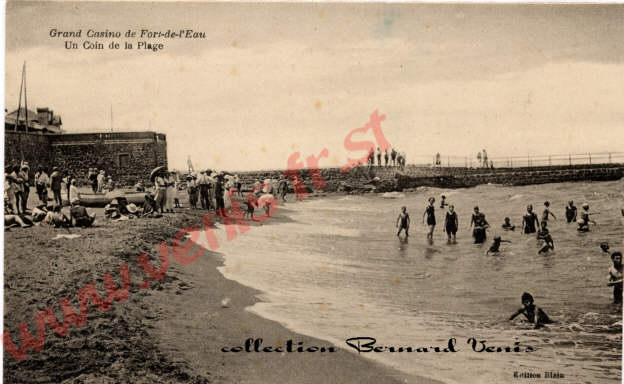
(171, 332)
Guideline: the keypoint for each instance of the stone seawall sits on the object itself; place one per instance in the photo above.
(385, 179)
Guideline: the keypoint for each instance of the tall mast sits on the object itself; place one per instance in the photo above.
(19, 103)
(25, 98)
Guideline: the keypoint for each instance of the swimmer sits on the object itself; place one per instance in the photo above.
(507, 225)
(570, 212)
(404, 220)
(583, 222)
(495, 247)
(532, 313)
(615, 277)
(605, 247)
(529, 221)
(443, 202)
(547, 212)
(480, 225)
(431, 221)
(544, 234)
(451, 223)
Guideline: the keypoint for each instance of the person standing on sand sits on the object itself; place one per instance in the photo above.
(282, 187)
(41, 184)
(530, 222)
(451, 223)
(430, 214)
(100, 181)
(404, 221)
(219, 190)
(202, 181)
(160, 191)
(55, 185)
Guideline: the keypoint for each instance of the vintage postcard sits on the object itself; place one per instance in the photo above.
(216, 192)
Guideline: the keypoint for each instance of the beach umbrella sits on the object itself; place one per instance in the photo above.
(155, 171)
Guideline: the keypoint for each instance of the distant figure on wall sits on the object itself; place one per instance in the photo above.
(378, 157)
(479, 159)
(100, 181)
(437, 159)
(485, 159)
(393, 155)
(386, 155)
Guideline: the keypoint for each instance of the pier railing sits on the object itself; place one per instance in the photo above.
(522, 161)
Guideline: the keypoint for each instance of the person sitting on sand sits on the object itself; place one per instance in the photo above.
(495, 247)
(547, 212)
(480, 226)
(615, 277)
(404, 221)
(79, 215)
(530, 221)
(544, 234)
(150, 206)
(507, 226)
(451, 223)
(532, 313)
(430, 214)
(570, 212)
(11, 221)
(583, 222)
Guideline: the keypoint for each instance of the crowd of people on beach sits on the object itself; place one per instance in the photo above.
(531, 224)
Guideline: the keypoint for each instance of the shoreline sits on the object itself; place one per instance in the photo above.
(147, 339)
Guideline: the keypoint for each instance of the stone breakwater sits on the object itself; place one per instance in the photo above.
(387, 179)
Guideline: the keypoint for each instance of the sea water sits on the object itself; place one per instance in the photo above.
(334, 268)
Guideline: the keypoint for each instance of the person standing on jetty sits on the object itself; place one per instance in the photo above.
(386, 157)
(615, 277)
(530, 222)
(378, 157)
(393, 156)
(570, 212)
(547, 213)
(431, 221)
(451, 223)
(404, 221)
(480, 226)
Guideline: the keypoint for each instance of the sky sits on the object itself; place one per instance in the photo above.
(272, 79)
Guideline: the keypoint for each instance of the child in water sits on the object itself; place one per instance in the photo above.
(507, 225)
(583, 222)
(443, 202)
(532, 313)
(615, 277)
(544, 234)
(431, 221)
(451, 223)
(570, 212)
(547, 213)
(495, 247)
(404, 220)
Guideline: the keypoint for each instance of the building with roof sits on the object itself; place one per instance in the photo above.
(42, 121)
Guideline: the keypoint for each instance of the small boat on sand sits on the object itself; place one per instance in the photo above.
(101, 199)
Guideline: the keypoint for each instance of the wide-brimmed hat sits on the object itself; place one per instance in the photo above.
(75, 201)
(114, 202)
(132, 208)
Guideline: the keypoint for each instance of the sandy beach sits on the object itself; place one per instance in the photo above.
(171, 332)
